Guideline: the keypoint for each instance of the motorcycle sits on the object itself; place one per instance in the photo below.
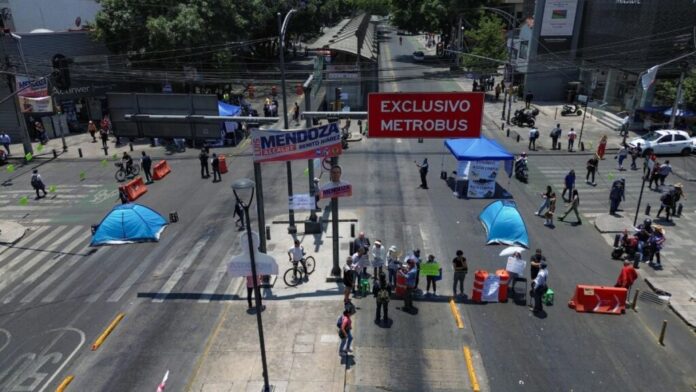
(525, 116)
(521, 171)
(569, 110)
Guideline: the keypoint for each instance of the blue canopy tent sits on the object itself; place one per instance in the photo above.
(482, 149)
(226, 109)
(128, 223)
(504, 224)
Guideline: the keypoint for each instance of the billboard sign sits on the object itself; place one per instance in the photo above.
(559, 18)
(32, 88)
(302, 144)
(425, 115)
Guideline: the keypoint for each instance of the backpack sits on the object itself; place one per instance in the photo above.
(382, 296)
(35, 182)
(339, 321)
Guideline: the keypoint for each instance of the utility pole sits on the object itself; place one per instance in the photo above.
(21, 121)
(675, 106)
(282, 27)
(307, 87)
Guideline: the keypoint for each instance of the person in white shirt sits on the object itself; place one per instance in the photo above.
(296, 254)
(378, 254)
(539, 288)
(393, 264)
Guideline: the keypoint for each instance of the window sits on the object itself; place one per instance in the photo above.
(665, 139)
(680, 138)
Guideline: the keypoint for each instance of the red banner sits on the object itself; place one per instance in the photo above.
(425, 115)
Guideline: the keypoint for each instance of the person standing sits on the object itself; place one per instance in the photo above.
(635, 153)
(361, 242)
(498, 89)
(41, 132)
(666, 203)
(378, 257)
(431, 279)
(250, 290)
(616, 195)
(92, 129)
(122, 195)
(360, 262)
(621, 156)
(6, 141)
(546, 197)
(539, 287)
(460, 270)
(571, 139)
(104, 135)
(345, 334)
(528, 99)
(410, 274)
(665, 170)
(552, 210)
(602, 147)
(146, 163)
(215, 164)
(592, 165)
(38, 184)
(382, 291)
(656, 242)
(654, 175)
(203, 158)
(296, 254)
(348, 279)
(555, 134)
(423, 170)
(533, 135)
(569, 183)
(627, 277)
(678, 194)
(535, 263)
(393, 264)
(574, 203)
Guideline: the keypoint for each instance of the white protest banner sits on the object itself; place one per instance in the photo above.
(515, 265)
(483, 170)
(305, 144)
(36, 105)
(480, 189)
(301, 202)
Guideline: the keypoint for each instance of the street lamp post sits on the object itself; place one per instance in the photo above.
(244, 189)
(509, 73)
(26, 140)
(282, 27)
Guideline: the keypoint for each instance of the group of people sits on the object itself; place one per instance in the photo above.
(645, 244)
(214, 161)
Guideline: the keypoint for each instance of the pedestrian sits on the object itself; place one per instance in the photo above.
(345, 334)
(38, 184)
(627, 277)
(592, 165)
(678, 194)
(382, 291)
(393, 264)
(621, 156)
(410, 273)
(571, 139)
(475, 86)
(666, 203)
(239, 213)
(460, 270)
(6, 141)
(41, 132)
(431, 279)
(533, 136)
(552, 210)
(361, 242)
(203, 158)
(545, 196)
(122, 195)
(146, 164)
(348, 279)
(497, 92)
(574, 203)
(664, 171)
(346, 126)
(423, 170)
(416, 256)
(635, 153)
(569, 184)
(656, 242)
(539, 287)
(535, 263)
(516, 257)
(648, 164)
(250, 290)
(296, 113)
(378, 255)
(92, 129)
(215, 164)
(602, 147)
(616, 195)
(555, 134)
(360, 262)
(528, 99)
(104, 135)
(654, 175)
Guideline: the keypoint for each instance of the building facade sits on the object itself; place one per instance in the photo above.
(25, 16)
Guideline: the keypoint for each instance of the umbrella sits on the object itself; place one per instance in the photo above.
(510, 250)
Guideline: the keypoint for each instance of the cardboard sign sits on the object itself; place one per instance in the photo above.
(515, 265)
(301, 202)
(490, 288)
(303, 144)
(430, 269)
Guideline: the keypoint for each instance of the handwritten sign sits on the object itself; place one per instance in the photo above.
(515, 265)
(430, 269)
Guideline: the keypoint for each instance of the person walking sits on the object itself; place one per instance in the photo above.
(555, 134)
(528, 99)
(382, 291)
(666, 203)
(6, 140)
(423, 170)
(348, 279)
(379, 255)
(539, 287)
(533, 136)
(635, 153)
(146, 164)
(250, 290)
(678, 194)
(656, 242)
(240, 214)
(393, 264)
(627, 277)
(92, 129)
(215, 164)
(621, 156)
(410, 274)
(665, 170)
(104, 135)
(460, 270)
(203, 158)
(592, 165)
(431, 279)
(571, 139)
(574, 203)
(616, 195)
(552, 210)
(38, 184)
(602, 147)
(569, 184)
(345, 334)
(535, 263)
(654, 175)
(498, 89)
(545, 203)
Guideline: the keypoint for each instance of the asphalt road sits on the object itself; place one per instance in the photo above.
(171, 292)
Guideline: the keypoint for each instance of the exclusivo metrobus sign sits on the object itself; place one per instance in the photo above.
(425, 115)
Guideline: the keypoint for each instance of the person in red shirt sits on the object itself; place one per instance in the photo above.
(627, 276)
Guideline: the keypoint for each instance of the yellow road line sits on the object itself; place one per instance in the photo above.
(100, 340)
(64, 385)
(455, 313)
(470, 368)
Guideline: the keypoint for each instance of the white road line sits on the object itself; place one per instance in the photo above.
(24, 252)
(206, 265)
(11, 252)
(179, 271)
(425, 237)
(123, 265)
(217, 277)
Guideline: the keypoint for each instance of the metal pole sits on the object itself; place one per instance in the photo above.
(259, 207)
(582, 126)
(640, 199)
(288, 165)
(336, 270)
(21, 121)
(257, 297)
(675, 106)
(310, 162)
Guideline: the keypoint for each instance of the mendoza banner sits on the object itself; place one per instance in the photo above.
(303, 144)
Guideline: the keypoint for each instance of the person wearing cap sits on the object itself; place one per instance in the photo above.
(378, 254)
(627, 276)
(411, 273)
(393, 264)
(539, 287)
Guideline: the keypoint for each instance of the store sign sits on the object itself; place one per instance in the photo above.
(425, 115)
(304, 144)
(558, 18)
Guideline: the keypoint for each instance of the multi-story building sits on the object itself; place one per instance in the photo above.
(25, 16)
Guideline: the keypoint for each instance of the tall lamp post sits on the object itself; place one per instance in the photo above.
(508, 72)
(244, 193)
(282, 27)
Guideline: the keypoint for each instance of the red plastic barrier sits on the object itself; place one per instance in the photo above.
(504, 280)
(135, 188)
(479, 277)
(400, 285)
(160, 170)
(599, 299)
(223, 164)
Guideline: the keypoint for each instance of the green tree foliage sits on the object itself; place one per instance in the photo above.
(487, 40)
(666, 90)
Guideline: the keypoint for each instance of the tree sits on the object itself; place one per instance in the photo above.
(488, 44)
(666, 90)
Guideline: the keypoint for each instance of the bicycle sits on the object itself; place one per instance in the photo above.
(293, 278)
(121, 173)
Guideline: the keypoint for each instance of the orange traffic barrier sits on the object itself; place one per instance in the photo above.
(134, 188)
(400, 285)
(480, 276)
(223, 164)
(160, 170)
(599, 299)
(504, 280)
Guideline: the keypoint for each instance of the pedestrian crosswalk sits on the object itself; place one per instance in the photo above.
(55, 263)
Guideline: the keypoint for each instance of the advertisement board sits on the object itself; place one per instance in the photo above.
(425, 115)
(36, 105)
(32, 88)
(304, 144)
(559, 18)
(301, 202)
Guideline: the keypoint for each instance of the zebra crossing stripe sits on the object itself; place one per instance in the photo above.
(9, 254)
(218, 276)
(5, 271)
(179, 271)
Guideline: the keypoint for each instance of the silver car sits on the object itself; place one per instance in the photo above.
(664, 141)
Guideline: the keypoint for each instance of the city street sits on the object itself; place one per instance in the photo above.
(185, 314)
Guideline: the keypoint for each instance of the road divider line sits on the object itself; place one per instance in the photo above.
(455, 313)
(100, 340)
(64, 384)
(470, 367)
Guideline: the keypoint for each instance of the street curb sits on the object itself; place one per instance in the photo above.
(606, 232)
(681, 317)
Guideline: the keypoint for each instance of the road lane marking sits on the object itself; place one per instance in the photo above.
(6, 271)
(100, 340)
(455, 313)
(64, 384)
(470, 367)
(179, 271)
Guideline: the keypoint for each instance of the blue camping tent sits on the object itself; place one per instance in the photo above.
(129, 223)
(503, 224)
(226, 109)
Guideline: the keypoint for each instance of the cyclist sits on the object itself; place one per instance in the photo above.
(296, 254)
(127, 162)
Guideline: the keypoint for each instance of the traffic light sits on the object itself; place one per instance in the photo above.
(61, 71)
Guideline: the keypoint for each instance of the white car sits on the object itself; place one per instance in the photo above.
(418, 56)
(664, 141)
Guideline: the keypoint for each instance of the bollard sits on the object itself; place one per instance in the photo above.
(55, 153)
(555, 114)
(635, 300)
(680, 207)
(518, 138)
(268, 232)
(131, 146)
(502, 125)
(582, 146)
(79, 152)
(662, 332)
(617, 238)
(647, 210)
(352, 230)
(106, 151)
(508, 132)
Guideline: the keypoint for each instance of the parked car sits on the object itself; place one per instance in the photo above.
(418, 56)
(664, 141)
